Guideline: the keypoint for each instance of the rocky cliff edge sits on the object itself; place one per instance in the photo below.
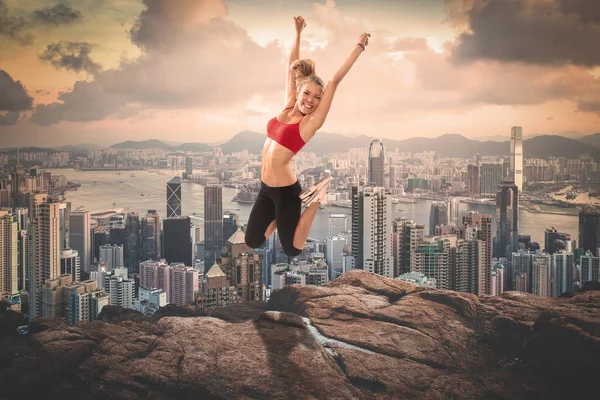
(360, 337)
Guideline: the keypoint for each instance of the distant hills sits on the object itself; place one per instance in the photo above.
(449, 145)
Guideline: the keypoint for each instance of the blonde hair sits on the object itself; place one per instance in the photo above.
(305, 72)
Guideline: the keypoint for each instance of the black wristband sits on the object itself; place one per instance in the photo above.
(361, 45)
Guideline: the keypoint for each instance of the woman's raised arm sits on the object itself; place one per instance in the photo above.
(290, 88)
(317, 118)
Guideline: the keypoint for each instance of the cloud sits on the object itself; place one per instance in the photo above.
(13, 26)
(13, 96)
(73, 56)
(60, 14)
(9, 118)
(165, 23)
(547, 32)
(192, 58)
(410, 44)
(590, 102)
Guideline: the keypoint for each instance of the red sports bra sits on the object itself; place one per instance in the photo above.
(287, 135)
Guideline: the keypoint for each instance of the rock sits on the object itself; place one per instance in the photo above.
(360, 337)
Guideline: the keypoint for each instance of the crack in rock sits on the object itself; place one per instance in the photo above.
(327, 342)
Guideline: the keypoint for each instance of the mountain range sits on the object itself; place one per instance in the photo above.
(449, 145)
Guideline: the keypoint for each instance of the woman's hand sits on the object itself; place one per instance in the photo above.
(363, 39)
(300, 24)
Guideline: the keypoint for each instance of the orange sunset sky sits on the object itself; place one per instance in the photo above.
(105, 71)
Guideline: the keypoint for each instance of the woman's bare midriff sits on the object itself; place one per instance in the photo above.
(276, 169)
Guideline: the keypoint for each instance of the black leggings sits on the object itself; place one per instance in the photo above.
(281, 204)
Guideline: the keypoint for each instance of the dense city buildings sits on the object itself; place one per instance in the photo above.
(507, 206)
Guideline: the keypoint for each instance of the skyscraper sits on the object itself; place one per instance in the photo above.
(438, 215)
(150, 233)
(473, 180)
(376, 163)
(507, 212)
(132, 242)
(491, 176)
(481, 227)
(178, 240)
(589, 229)
(112, 254)
(516, 156)
(80, 237)
(377, 223)
(70, 264)
(213, 223)
(8, 253)
(393, 177)
(174, 197)
(357, 227)
(230, 225)
(337, 224)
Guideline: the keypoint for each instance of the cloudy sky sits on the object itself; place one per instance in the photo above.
(104, 71)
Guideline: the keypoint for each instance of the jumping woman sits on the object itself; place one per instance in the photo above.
(280, 198)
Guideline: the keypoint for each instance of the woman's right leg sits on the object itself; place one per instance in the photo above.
(261, 222)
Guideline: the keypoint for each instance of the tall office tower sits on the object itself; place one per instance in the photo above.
(497, 279)
(562, 273)
(9, 271)
(189, 166)
(589, 229)
(434, 258)
(230, 225)
(438, 215)
(112, 255)
(184, 284)
(196, 239)
(213, 224)
(174, 197)
(132, 242)
(19, 184)
(453, 210)
(590, 268)
(357, 227)
(177, 240)
(243, 268)
(516, 156)
(118, 235)
(22, 214)
(153, 239)
(70, 264)
(376, 163)
(101, 236)
(393, 177)
(80, 237)
(64, 212)
(45, 221)
(473, 180)
(337, 224)
(554, 240)
(540, 275)
(480, 226)
(149, 239)
(335, 256)
(507, 214)
(491, 176)
(377, 227)
(519, 276)
(22, 263)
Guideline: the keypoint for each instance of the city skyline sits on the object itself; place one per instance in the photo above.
(202, 71)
